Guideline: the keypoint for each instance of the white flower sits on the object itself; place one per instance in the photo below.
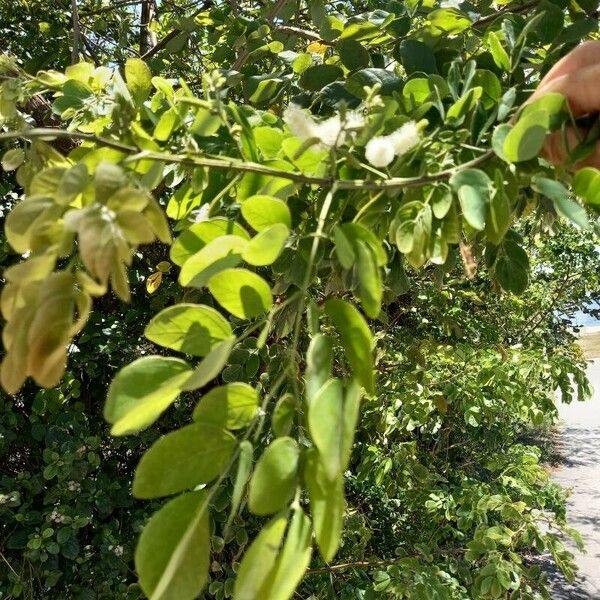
(300, 123)
(380, 151)
(330, 132)
(405, 138)
(201, 214)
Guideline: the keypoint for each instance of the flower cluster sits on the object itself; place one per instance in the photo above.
(380, 151)
(331, 132)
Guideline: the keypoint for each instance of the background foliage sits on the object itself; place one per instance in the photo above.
(424, 261)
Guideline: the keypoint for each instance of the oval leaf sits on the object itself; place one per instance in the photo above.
(243, 293)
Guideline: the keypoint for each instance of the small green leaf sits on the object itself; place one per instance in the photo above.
(183, 459)
(190, 328)
(241, 479)
(586, 184)
(243, 293)
(13, 159)
(211, 365)
(559, 194)
(222, 253)
(498, 52)
(464, 105)
(139, 79)
(262, 211)
(317, 77)
(232, 406)
(525, 140)
(472, 187)
(172, 554)
(274, 481)
(142, 391)
(356, 338)
(283, 415)
(198, 235)
(264, 248)
(353, 54)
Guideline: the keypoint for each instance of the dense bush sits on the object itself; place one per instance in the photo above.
(369, 290)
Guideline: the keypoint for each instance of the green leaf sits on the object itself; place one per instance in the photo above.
(388, 82)
(370, 287)
(222, 253)
(243, 293)
(416, 56)
(317, 77)
(449, 21)
(283, 415)
(355, 232)
(352, 54)
(211, 365)
(241, 479)
(168, 123)
(586, 184)
(183, 459)
(274, 481)
(13, 159)
(512, 268)
(498, 52)
(525, 140)
(356, 338)
(327, 505)
(265, 247)
(190, 328)
(198, 235)
(292, 562)
(206, 123)
(142, 391)
(259, 560)
(139, 79)
(464, 105)
(172, 555)
(232, 406)
(473, 189)
(344, 248)
(499, 218)
(262, 211)
(326, 426)
(319, 359)
(559, 194)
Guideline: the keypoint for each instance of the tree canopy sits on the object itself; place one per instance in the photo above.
(306, 262)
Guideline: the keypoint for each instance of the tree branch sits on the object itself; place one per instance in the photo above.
(233, 164)
(508, 9)
(76, 33)
(113, 6)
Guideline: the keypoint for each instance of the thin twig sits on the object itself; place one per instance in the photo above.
(248, 166)
(113, 6)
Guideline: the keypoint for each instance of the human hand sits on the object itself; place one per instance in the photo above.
(577, 77)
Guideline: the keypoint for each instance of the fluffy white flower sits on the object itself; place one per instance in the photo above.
(300, 123)
(201, 214)
(380, 151)
(330, 132)
(405, 138)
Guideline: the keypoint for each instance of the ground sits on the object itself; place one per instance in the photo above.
(580, 472)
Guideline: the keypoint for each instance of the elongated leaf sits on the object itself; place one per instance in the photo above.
(211, 366)
(139, 79)
(232, 406)
(326, 426)
(173, 551)
(244, 469)
(183, 459)
(292, 561)
(274, 481)
(142, 390)
(370, 287)
(327, 505)
(357, 340)
(243, 293)
(190, 328)
(259, 560)
(318, 364)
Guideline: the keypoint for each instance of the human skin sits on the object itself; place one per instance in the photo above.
(577, 77)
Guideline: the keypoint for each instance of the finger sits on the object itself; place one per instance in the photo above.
(554, 150)
(584, 55)
(581, 89)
